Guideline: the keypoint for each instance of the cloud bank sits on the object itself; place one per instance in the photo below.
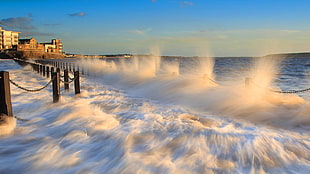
(17, 23)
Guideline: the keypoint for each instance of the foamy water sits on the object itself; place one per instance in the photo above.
(148, 117)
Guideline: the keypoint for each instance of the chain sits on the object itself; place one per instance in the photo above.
(212, 80)
(32, 90)
(291, 91)
(20, 119)
(72, 80)
(284, 92)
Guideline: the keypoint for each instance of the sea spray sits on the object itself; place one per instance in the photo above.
(196, 88)
(97, 66)
(261, 77)
(109, 130)
(205, 67)
(7, 125)
(140, 77)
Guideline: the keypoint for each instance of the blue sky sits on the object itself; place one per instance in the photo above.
(166, 27)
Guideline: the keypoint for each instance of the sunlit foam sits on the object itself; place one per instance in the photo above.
(108, 131)
(161, 80)
(7, 125)
(169, 69)
(261, 76)
(97, 66)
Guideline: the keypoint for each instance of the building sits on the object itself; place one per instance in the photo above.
(8, 39)
(30, 45)
(30, 48)
(54, 47)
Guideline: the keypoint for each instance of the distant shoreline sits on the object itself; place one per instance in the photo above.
(290, 55)
(119, 56)
(9, 55)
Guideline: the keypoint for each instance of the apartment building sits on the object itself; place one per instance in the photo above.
(54, 47)
(30, 45)
(8, 39)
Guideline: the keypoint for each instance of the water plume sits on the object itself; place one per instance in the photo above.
(261, 76)
(169, 69)
(196, 88)
(156, 58)
(200, 77)
(205, 64)
(98, 66)
(205, 67)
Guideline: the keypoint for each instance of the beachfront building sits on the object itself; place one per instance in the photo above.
(30, 48)
(29, 45)
(55, 46)
(8, 39)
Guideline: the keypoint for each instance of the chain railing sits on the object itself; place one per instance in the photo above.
(72, 80)
(32, 90)
(251, 82)
(41, 68)
(291, 91)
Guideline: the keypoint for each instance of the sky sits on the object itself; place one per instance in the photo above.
(164, 27)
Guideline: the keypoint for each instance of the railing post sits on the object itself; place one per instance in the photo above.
(37, 67)
(56, 87)
(77, 82)
(52, 70)
(5, 94)
(66, 79)
(44, 69)
(47, 71)
(33, 66)
(40, 69)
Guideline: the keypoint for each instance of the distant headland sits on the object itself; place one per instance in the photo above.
(290, 55)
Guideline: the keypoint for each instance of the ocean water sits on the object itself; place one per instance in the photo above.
(171, 116)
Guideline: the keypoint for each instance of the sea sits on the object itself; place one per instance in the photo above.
(162, 115)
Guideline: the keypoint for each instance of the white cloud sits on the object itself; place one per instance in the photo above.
(140, 32)
(80, 14)
(186, 3)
